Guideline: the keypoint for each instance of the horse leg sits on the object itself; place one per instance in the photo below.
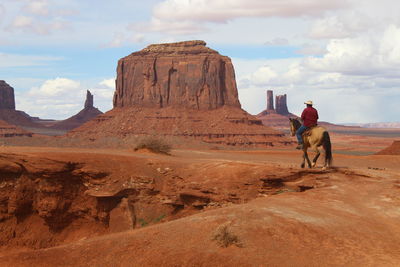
(306, 157)
(314, 161)
(303, 163)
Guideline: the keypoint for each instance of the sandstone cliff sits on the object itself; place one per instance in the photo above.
(281, 105)
(7, 100)
(185, 74)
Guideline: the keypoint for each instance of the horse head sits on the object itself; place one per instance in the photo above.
(294, 125)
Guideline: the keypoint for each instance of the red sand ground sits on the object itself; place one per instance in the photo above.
(275, 213)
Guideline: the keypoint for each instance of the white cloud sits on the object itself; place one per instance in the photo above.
(278, 42)
(120, 39)
(311, 49)
(56, 88)
(263, 75)
(345, 24)
(29, 24)
(15, 60)
(37, 7)
(170, 27)
(2, 12)
(40, 17)
(110, 83)
(221, 11)
(189, 16)
(365, 55)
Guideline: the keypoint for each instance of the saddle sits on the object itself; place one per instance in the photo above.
(308, 131)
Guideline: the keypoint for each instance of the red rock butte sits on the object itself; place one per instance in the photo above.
(184, 74)
(180, 89)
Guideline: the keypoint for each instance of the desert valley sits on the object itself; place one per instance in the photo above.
(178, 174)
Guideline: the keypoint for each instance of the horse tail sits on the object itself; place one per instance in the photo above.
(326, 144)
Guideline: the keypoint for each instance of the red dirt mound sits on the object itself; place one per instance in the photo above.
(226, 126)
(393, 149)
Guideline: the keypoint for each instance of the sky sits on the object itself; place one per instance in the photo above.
(344, 55)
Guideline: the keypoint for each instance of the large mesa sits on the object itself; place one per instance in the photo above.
(185, 74)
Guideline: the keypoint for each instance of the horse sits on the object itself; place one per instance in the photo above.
(313, 138)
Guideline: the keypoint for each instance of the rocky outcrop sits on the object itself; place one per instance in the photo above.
(89, 112)
(89, 100)
(185, 74)
(8, 130)
(270, 100)
(281, 105)
(7, 100)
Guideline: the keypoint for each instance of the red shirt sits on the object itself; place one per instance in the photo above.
(309, 116)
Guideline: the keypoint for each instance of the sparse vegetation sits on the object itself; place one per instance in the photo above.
(224, 236)
(155, 145)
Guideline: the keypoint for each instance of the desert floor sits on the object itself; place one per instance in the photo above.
(117, 207)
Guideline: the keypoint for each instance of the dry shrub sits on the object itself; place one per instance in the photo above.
(154, 145)
(224, 237)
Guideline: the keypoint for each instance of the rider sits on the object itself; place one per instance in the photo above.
(310, 118)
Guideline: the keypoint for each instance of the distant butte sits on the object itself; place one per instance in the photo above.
(276, 116)
(184, 90)
(86, 114)
(8, 113)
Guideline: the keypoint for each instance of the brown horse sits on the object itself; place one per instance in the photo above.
(315, 137)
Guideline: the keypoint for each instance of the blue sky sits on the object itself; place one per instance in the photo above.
(343, 55)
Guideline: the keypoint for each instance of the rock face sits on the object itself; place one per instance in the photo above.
(89, 100)
(281, 105)
(89, 112)
(7, 100)
(185, 74)
(270, 100)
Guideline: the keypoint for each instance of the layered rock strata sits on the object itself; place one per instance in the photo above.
(8, 130)
(185, 74)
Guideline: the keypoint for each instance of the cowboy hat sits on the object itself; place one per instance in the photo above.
(309, 102)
